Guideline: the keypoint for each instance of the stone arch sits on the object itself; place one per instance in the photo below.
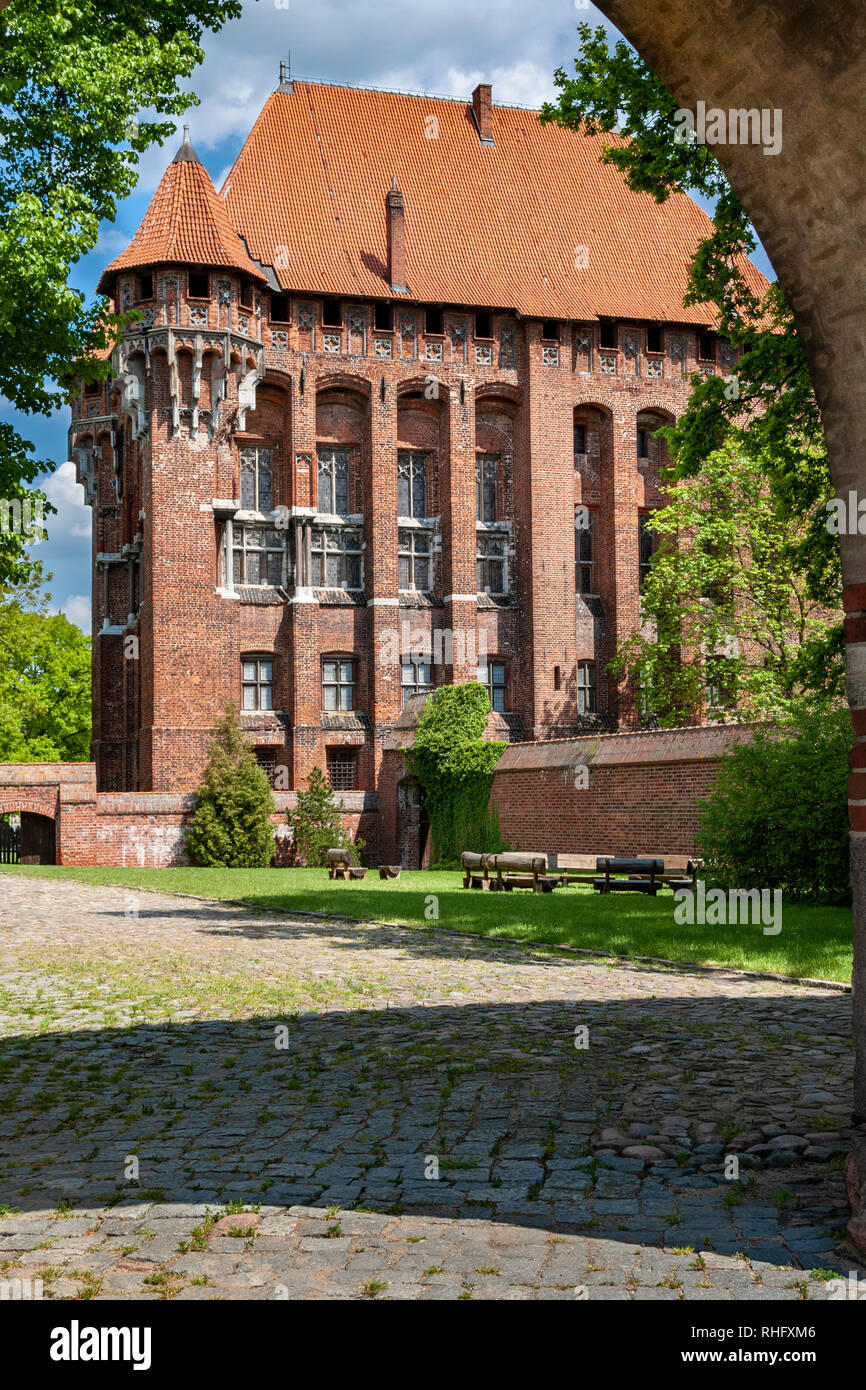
(807, 207)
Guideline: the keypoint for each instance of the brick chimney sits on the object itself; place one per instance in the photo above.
(482, 109)
(396, 240)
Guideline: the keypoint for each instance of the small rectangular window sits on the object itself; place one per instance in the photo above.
(93, 388)
(645, 539)
(550, 330)
(247, 293)
(279, 308)
(383, 316)
(433, 321)
(557, 677)
(199, 284)
(607, 333)
(584, 560)
(493, 675)
(483, 325)
(579, 439)
(414, 561)
(332, 313)
(145, 287)
(416, 678)
(707, 347)
(490, 564)
(586, 687)
(338, 684)
(342, 769)
(267, 761)
(643, 444)
(654, 338)
(258, 683)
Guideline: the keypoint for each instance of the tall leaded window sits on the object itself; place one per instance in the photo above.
(337, 558)
(257, 479)
(333, 482)
(258, 682)
(490, 564)
(338, 684)
(257, 555)
(584, 560)
(645, 538)
(493, 675)
(486, 487)
(415, 560)
(415, 678)
(586, 687)
(411, 484)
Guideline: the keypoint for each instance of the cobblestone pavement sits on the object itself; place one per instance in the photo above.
(199, 1100)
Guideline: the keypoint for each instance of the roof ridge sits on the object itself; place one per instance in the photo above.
(400, 92)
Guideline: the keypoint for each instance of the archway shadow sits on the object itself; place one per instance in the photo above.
(347, 1107)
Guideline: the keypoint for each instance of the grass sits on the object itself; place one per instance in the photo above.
(814, 941)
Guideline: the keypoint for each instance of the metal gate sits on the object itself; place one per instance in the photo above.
(10, 843)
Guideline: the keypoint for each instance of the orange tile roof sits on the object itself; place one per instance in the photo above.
(186, 224)
(498, 226)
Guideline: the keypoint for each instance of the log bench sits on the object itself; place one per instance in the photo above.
(515, 870)
(341, 866)
(476, 870)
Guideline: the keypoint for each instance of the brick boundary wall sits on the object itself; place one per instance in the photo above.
(141, 829)
(641, 794)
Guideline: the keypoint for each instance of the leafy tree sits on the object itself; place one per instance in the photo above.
(231, 825)
(769, 397)
(74, 77)
(44, 679)
(454, 765)
(778, 814)
(316, 825)
(727, 599)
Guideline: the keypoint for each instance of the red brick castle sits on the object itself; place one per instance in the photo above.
(375, 382)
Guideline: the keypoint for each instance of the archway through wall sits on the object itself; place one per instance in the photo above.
(807, 60)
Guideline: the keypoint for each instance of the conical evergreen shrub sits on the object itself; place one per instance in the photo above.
(231, 826)
(316, 826)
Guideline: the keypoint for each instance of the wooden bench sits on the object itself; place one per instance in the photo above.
(680, 871)
(575, 868)
(642, 875)
(522, 871)
(476, 870)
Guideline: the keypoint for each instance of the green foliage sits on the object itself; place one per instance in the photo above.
(231, 825)
(75, 76)
(454, 766)
(778, 814)
(316, 825)
(44, 680)
(768, 399)
(728, 597)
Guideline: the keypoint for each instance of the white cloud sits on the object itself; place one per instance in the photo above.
(77, 610)
(73, 515)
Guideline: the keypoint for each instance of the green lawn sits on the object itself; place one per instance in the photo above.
(814, 941)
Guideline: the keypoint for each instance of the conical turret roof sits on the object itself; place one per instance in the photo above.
(187, 223)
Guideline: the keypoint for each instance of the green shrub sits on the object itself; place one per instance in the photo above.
(231, 826)
(778, 814)
(454, 766)
(316, 826)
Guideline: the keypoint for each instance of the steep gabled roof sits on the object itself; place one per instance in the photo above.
(186, 224)
(532, 222)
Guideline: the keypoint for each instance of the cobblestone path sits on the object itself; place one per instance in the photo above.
(199, 1100)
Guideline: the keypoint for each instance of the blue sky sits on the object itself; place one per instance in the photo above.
(410, 45)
